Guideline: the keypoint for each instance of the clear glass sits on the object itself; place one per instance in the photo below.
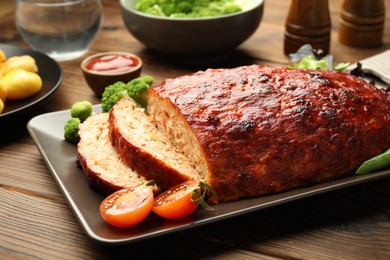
(63, 29)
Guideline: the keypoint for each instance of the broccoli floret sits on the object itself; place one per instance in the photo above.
(71, 130)
(81, 110)
(112, 94)
(135, 89)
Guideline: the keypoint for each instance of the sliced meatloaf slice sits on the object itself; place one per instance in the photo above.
(104, 169)
(256, 130)
(144, 148)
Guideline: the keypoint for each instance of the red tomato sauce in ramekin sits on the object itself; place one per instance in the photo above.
(112, 63)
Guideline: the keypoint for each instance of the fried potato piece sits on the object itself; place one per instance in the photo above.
(21, 84)
(25, 62)
(1, 105)
(3, 91)
(3, 57)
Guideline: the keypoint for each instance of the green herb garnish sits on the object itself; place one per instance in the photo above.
(378, 162)
(307, 58)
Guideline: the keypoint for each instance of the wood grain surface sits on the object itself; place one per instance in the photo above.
(37, 223)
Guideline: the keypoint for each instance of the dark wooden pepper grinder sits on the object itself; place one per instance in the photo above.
(308, 21)
(362, 23)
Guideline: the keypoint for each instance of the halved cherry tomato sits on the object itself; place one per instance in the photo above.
(127, 207)
(176, 202)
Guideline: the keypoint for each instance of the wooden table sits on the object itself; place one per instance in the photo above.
(36, 221)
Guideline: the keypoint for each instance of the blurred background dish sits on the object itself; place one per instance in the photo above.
(103, 69)
(64, 30)
(192, 37)
(50, 73)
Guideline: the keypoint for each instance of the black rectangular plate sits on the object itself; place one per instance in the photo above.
(60, 157)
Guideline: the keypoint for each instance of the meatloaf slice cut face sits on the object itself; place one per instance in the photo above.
(255, 130)
(144, 148)
(105, 170)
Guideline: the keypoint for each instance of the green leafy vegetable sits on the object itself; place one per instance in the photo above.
(71, 129)
(309, 62)
(81, 110)
(307, 58)
(189, 8)
(199, 194)
(112, 94)
(341, 66)
(135, 89)
(378, 162)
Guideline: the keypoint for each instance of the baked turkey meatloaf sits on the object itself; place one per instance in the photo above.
(145, 149)
(104, 168)
(255, 130)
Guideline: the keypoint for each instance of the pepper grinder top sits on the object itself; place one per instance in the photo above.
(308, 21)
(362, 23)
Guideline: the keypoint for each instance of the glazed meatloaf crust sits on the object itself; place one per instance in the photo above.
(255, 130)
(104, 169)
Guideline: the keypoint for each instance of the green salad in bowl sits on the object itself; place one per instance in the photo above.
(193, 29)
(189, 8)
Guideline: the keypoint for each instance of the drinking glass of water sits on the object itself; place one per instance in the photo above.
(63, 29)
